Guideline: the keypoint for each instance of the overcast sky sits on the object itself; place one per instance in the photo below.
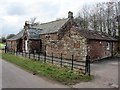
(13, 13)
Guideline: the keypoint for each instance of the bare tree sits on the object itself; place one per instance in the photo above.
(100, 17)
(118, 24)
(32, 20)
(85, 16)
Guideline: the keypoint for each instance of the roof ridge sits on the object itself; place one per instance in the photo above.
(53, 21)
(91, 34)
(102, 33)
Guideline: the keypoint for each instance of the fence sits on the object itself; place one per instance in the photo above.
(84, 66)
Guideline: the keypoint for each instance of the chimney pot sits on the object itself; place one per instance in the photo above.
(70, 14)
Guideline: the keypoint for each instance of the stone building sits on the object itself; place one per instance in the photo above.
(26, 40)
(79, 43)
(64, 36)
(15, 43)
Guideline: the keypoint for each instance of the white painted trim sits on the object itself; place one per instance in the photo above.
(26, 45)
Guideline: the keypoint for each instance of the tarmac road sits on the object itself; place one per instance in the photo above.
(105, 75)
(15, 77)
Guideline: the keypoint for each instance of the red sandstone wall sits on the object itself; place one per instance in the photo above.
(99, 49)
(70, 44)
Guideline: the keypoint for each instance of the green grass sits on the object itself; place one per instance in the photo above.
(1, 45)
(63, 75)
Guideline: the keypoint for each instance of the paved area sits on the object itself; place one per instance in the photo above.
(105, 75)
(14, 77)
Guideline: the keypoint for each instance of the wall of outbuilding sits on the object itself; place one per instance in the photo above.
(34, 45)
(11, 45)
(72, 43)
(101, 49)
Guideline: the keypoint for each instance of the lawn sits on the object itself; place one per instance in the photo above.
(1, 45)
(63, 75)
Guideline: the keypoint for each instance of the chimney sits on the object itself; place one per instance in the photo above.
(27, 25)
(70, 14)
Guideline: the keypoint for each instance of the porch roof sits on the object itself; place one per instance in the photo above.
(17, 36)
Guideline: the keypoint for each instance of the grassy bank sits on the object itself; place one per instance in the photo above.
(63, 75)
(1, 45)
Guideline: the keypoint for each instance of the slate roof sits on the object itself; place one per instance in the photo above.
(17, 36)
(95, 35)
(35, 30)
(51, 27)
(54, 26)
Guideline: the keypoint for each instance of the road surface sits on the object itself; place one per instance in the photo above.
(14, 77)
(0, 72)
(105, 75)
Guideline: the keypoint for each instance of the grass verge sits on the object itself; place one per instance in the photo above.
(63, 75)
(2, 45)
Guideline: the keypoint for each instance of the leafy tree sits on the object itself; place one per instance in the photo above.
(10, 36)
(2, 40)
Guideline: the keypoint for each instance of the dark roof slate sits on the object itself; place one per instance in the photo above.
(95, 35)
(51, 27)
(17, 36)
(35, 30)
(54, 26)
(33, 33)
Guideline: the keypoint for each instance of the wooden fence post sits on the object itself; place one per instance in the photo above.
(52, 57)
(72, 62)
(33, 55)
(16, 52)
(45, 57)
(19, 52)
(22, 53)
(5, 49)
(29, 54)
(25, 54)
(39, 56)
(87, 65)
(61, 60)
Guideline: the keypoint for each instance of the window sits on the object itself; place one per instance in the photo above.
(108, 46)
(47, 36)
(100, 43)
(77, 44)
